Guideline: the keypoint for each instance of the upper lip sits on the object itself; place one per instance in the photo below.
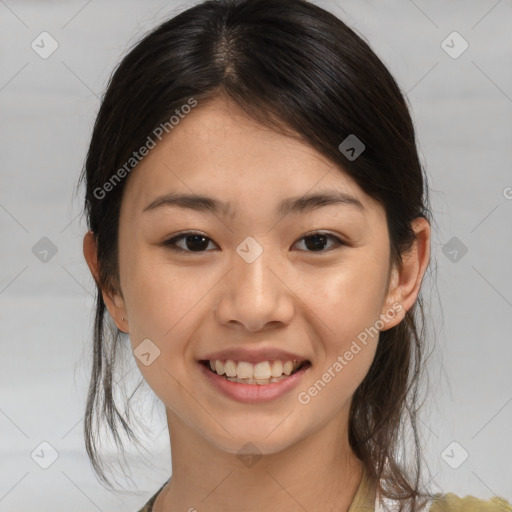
(254, 355)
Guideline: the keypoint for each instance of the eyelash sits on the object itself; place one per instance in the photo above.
(171, 243)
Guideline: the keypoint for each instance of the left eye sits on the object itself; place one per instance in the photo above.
(319, 239)
(196, 242)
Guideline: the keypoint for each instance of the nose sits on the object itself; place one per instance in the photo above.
(255, 295)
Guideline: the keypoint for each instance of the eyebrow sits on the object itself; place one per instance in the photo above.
(298, 204)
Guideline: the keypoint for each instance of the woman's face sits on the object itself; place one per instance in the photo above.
(258, 287)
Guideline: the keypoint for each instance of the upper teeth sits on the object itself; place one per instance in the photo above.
(245, 370)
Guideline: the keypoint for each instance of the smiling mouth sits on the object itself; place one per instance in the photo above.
(262, 373)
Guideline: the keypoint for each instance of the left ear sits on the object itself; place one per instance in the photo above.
(405, 280)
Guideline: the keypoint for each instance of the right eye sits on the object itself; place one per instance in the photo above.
(194, 242)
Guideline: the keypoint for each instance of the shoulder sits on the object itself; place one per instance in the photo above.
(450, 502)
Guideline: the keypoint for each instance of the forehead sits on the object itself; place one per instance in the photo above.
(218, 151)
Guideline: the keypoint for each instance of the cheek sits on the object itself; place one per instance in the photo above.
(347, 299)
(162, 307)
(336, 382)
(157, 293)
(155, 300)
(346, 306)
(165, 304)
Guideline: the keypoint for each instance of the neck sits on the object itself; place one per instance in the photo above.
(319, 473)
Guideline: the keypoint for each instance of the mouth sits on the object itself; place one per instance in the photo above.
(262, 373)
(253, 383)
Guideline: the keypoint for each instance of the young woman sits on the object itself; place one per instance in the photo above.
(259, 228)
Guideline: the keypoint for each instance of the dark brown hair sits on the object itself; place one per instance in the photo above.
(296, 68)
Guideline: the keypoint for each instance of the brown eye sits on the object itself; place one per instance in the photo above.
(316, 242)
(194, 242)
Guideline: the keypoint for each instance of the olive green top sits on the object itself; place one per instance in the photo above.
(365, 501)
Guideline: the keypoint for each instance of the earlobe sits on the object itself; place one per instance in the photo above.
(117, 312)
(405, 281)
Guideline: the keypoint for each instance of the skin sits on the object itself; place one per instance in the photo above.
(313, 303)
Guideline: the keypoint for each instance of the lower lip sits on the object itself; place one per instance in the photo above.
(253, 393)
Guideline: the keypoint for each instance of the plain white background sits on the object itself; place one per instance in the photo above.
(462, 108)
